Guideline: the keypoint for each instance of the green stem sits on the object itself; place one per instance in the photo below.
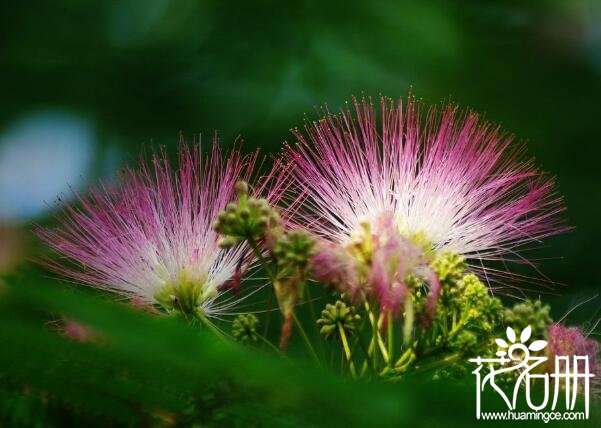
(271, 345)
(272, 278)
(404, 357)
(208, 324)
(380, 341)
(262, 260)
(268, 315)
(390, 327)
(265, 265)
(409, 318)
(374, 332)
(449, 359)
(314, 317)
(306, 339)
(406, 364)
(347, 351)
(460, 324)
(367, 363)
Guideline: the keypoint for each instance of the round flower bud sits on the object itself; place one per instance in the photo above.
(244, 328)
(338, 314)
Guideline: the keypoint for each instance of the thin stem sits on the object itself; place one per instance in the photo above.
(347, 351)
(314, 317)
(270, 274)
(272, 277)
(449, 359)
(208, 324)
(374, 332)
(403, 368)
(390, 326)
(305, 338)
(404, 357)
(407, 362)
(262, 260)
(381, 343)
(367, 363)
(271, 345)
(408, 323)
(268, 316)
(457, 327)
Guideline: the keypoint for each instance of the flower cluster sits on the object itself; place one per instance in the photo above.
(469, 313)
(393, 218)
(244, 328)
(451, 180)
(374, 265)
(283, 254)
(531, 313)
(338, 316)
(248, 219)
(149, 237)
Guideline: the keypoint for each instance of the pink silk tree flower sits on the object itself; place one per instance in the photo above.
(333, 265)
(374, 265)
(570, 342)
(450, 179)
(393, 258)
(150, 236)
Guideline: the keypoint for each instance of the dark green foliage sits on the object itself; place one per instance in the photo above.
(140, 369)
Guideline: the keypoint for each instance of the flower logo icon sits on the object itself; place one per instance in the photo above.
(525, 335)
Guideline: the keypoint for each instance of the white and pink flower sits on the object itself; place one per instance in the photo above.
(449, 179)
(151, 232)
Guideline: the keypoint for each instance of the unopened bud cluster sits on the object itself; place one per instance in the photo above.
(449, 267)
(531, 313)
(244, 328)
(293, 251)
(248, 218)
(338, 314)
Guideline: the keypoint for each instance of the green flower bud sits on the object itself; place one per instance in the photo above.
(227, 242)
(465, 342)
(264, 210)
(449, 267)
(472, 312)
(244, 328)
(244, 213)
(338, 314)
(478, 306)
(262, 203)
(241, 188)
(231, 218)
(529, 313)
(262, 222)
(294, 250)
(246, 219)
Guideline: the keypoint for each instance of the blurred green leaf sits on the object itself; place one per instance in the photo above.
(143, 369)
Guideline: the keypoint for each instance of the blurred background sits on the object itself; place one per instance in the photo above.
(84, 85)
